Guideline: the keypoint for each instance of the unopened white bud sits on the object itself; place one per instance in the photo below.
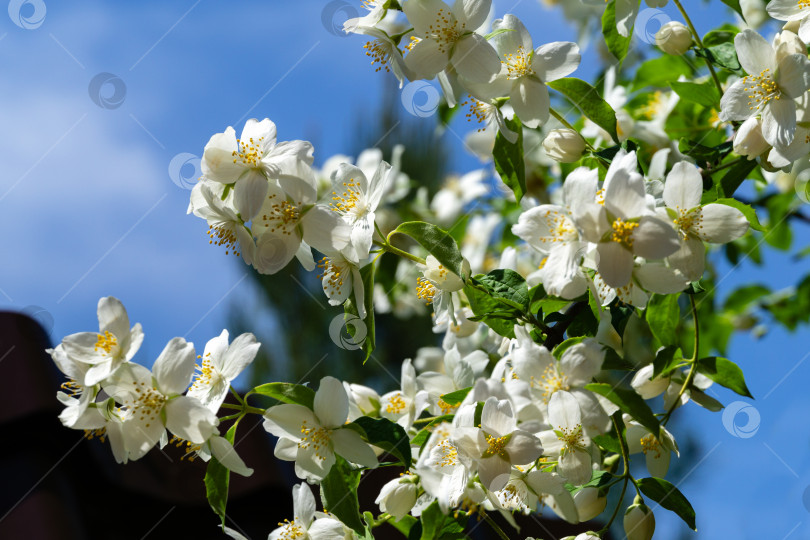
(639, 522)
(749, 141)
(564, 145)
(673, 38)
(398, 496)
(590, 503)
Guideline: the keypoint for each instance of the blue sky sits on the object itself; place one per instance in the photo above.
(90, 210)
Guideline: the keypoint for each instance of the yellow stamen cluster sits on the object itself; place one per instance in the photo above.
(317, 438)
(346, 201)
(105, 342)
(623, 232)
(495, 446)
(479, 111)
(222, 235)
(72, 388)
(689, 221)
(572, 438)
(292, 530)
(425, 290)
(101, 433)
(552, 381)
(282, 216)
(446, 407)
(762, 88)
(653, 107)
(250, 153)
(147, 404)
(207, 372)
(191, 448)
(396, 405)
(334, 277)
(559, 227)
(650, 444)
(449, 454)
(519, 64)
(379, 53)
(445, 30)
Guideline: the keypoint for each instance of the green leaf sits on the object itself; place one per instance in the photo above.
(749, 213)
(724, 372)
(629, 402)
(368, 342)
(508, 158)
(388, 435)
(437, 242)
(587, 99)
(666, 360)
(663, 316)
(339, 494)
(705, 94)
(735, 5)
(735, 176)
(660, 71)
(506, 286)
(723, 55)
(217, 480)
(616, 43)
(668, 496)
(424, 434)
(454, 398)
(287, 393)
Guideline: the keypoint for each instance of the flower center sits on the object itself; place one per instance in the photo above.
(379, 52)
(551, 381)
(445, 30)
(106, 342)
(316, 437)
(147, 404)
(425, 290)
(650, 444)
(291, 530)
(396, 405)
(223, 235)
(762, 89)
(560, 228)
(282, 216)
(519, 64)
(333, 274)
(623, 232)
(495, 446)
(250, 153)
(572, 438)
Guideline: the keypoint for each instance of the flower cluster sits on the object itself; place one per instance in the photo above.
(562, 275)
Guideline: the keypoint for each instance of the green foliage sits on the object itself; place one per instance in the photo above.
(339, 494)
(508, 159)
(668, 496)
(587, 99)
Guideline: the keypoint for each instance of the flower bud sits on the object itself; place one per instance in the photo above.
(564, 145)
(749, 141)
(398, 496)
(673, 38)
(639, 522)
(590, 503)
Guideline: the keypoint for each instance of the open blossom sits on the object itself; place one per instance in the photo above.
(220, 364)
(447, 37)
(312, 437)
(114, 344)
(776, 76)
(498, 444)
(249, 162)
(526, 70)
(696, 223)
